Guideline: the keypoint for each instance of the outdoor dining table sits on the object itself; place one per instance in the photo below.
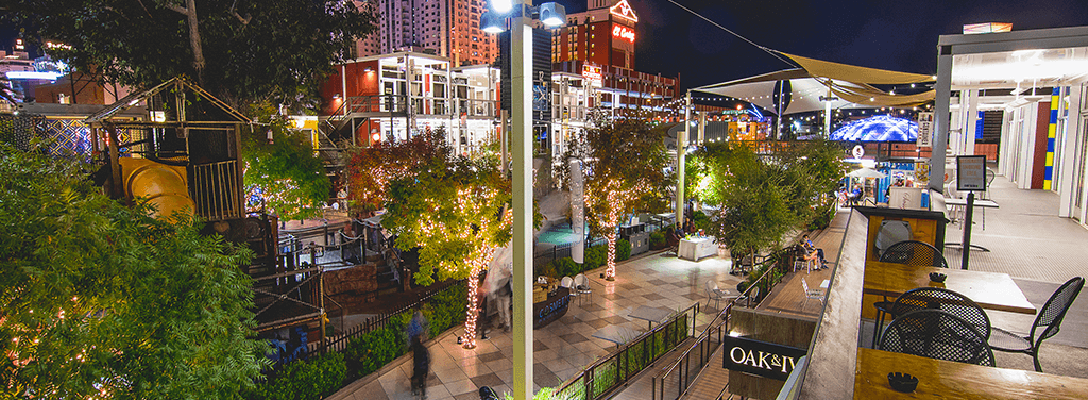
(991, 290)
(616, 334)
(650, 314)
(938, 379)
(695, 248)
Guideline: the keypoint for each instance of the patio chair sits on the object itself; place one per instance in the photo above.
(939, 335)
(1049, 318)
(802, 260)
(581, 285)
(934, 298)
(913, 252)
(568, 283)
(714, 293)
(811, 294)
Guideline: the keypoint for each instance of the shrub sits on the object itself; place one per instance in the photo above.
(567, 267)
(371, 351)
(623, 250)
(657, 240)
(594, 257)
(318, 378)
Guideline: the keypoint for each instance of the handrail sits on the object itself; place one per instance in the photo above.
(623, 350)
(704, 336)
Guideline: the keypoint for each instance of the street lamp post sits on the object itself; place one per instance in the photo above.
(519, 15)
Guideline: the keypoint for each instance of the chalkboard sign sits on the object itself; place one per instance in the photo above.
(971, 172)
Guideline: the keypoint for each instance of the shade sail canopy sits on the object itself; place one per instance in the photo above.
(866, 173)
(878, 129)
(850, 84)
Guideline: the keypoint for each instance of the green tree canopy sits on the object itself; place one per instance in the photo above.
(101, 299)
(624, 163)
(242, 50)
(285, 173)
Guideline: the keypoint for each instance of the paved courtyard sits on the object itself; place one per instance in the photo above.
(562, 348)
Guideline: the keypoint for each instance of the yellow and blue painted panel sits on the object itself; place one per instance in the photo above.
(1048, 167)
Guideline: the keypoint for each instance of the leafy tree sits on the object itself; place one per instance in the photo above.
(99, 299)
(763, 197)
(283, 171)
(623, 167)
(372, 169)
(240, 50)
(457, 212)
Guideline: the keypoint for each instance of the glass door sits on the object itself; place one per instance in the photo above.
(1079, 175)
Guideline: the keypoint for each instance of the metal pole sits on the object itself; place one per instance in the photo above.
(967, 229)
(521, 75)
(680, 144)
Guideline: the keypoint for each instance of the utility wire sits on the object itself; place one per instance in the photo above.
(775, 53)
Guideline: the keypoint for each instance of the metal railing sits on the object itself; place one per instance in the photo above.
(217, 191)
(599, 379)
(379, 321)
(687, 367)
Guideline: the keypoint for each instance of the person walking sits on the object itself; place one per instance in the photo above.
(503, 297)
(417, 326)
(421, 367)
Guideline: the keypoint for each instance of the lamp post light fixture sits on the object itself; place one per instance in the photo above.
(519, 13)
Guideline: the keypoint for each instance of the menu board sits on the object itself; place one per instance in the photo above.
(971, 172)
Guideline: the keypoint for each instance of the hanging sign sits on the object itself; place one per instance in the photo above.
(623, 32)
(925, 129)
(768, 360)
(577, 204)
(858, 152)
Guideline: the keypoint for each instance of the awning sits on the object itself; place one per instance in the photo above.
(850, 84)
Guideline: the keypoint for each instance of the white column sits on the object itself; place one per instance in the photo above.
(1070, 155)
(943, 89)
(681, 142)
(521, 44)
(702, 129)
(971, 120)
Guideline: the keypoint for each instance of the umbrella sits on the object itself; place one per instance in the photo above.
(866, 173)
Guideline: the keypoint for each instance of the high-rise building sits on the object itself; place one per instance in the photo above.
(449, 28)
(604, 35)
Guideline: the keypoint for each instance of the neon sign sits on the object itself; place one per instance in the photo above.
(623, 10)
(592, 73)
(623, 32)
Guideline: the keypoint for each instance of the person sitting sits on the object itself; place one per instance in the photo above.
(855, 195)
(813, 253)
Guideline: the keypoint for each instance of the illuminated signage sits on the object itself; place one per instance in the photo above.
(623, 10)
(49, 76)
(592, 73)
(768, 360)
(623, 32)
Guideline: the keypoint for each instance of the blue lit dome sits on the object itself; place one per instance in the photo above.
(878, 129)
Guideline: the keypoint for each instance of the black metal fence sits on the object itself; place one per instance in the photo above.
(599, 379)
(675, 379)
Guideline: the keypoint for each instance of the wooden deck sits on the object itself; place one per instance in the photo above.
(788, 296)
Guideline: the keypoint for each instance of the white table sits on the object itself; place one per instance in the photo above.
(616, 334)
(825, 284)
(694, 249)
(650, 314)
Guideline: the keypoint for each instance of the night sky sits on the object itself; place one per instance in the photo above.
(898, 35)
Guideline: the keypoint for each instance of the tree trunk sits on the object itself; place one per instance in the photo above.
(610, 272)
(471, 312)
(189, 11)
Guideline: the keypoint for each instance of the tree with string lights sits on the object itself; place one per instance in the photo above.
(624, 173)
(456, 211)
(372, 169)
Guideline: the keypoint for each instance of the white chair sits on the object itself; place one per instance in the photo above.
(811, 294)
(581, 285)
(568, 283)
(714, 293)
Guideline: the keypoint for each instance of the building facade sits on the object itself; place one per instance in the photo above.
(449, 28)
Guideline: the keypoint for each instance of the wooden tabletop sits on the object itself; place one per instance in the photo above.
(951, 380)
(991, 290)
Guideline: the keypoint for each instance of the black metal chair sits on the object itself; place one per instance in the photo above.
(1049, 318)
(939, 335)
(934, 298)
(913, 252)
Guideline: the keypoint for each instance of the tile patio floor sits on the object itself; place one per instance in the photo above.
(562, 348)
